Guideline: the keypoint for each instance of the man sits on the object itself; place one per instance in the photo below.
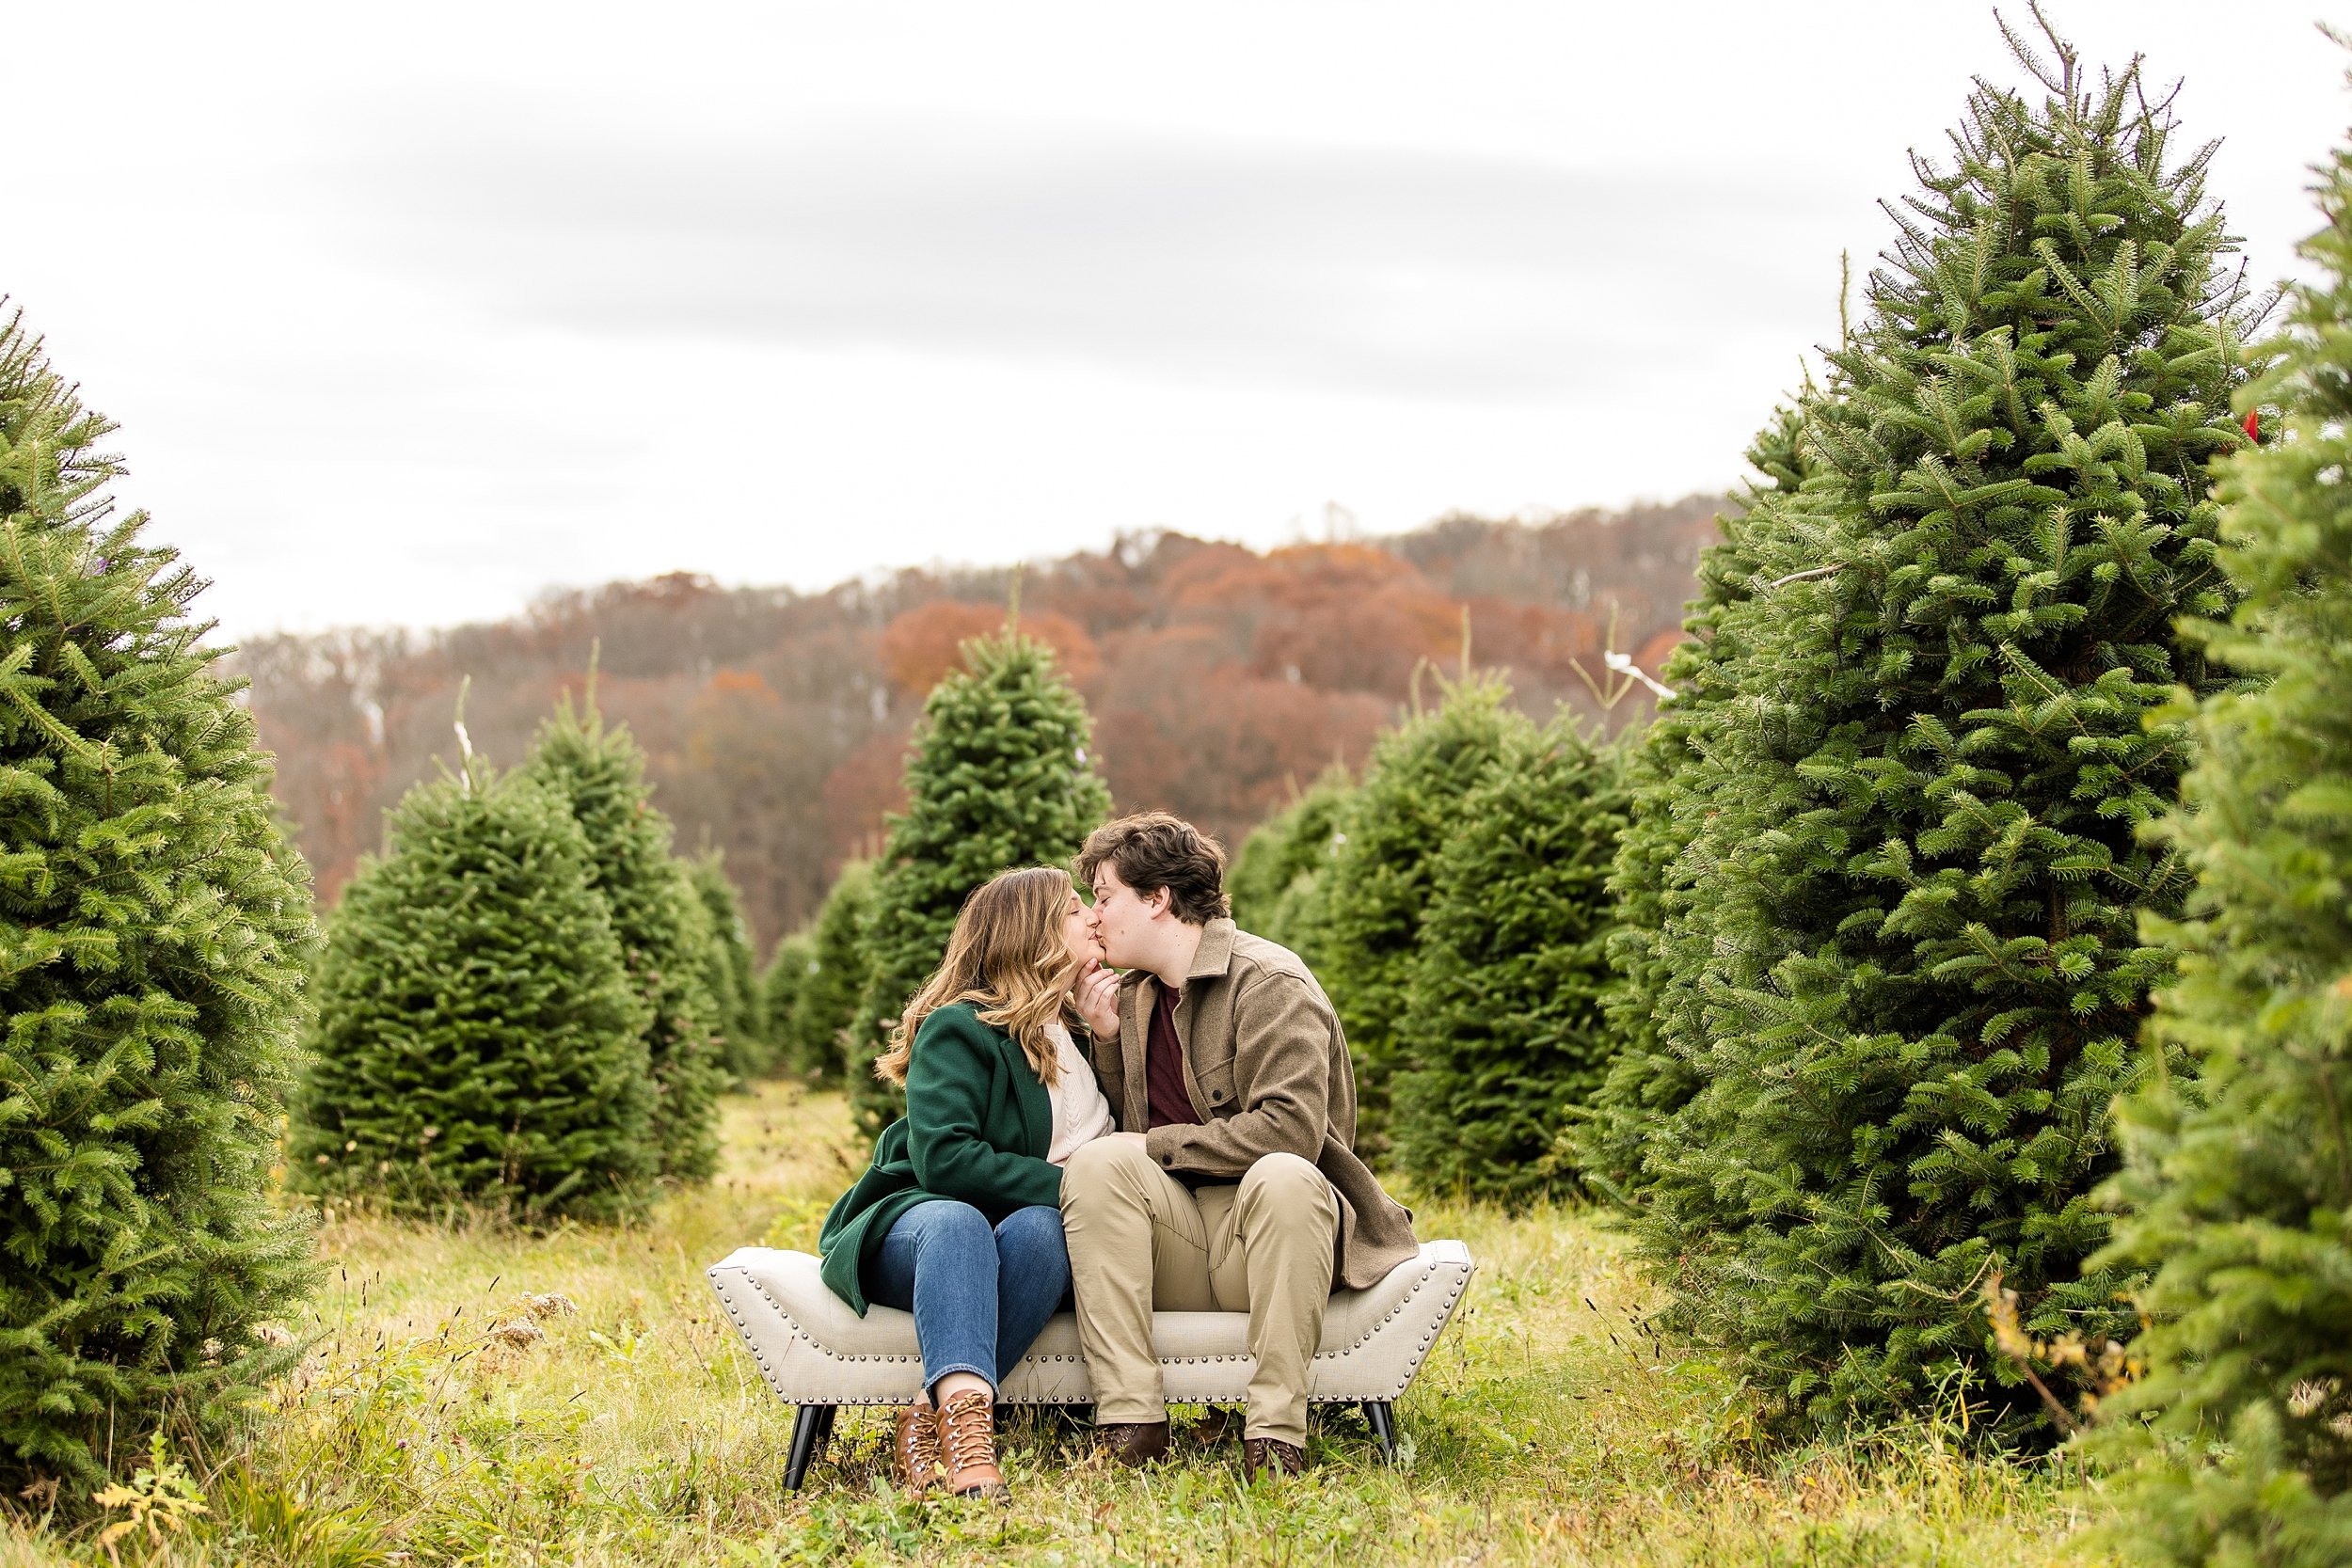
(1232, 1185)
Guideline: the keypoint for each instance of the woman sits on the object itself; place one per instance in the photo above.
(959, 1217)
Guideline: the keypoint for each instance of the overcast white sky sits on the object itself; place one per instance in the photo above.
(409, 313)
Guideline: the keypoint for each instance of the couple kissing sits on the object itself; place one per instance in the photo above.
(1123, 1107)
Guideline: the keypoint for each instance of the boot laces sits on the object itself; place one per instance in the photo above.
(968, 1432)
(922, 1440)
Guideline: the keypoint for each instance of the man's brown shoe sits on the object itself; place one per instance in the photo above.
(967, 1446)
(1133, 1443)
(1270, 1458)
(914, 1448)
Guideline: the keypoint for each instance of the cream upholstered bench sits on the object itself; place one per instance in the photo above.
(819, 1355)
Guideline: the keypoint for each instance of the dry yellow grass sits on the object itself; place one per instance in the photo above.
(482, 1396)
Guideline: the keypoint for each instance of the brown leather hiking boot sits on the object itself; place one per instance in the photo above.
(967, 1446)
(914, 1448)
(1133, 1443)
(1270, 1459)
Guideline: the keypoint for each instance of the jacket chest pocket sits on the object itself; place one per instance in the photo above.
(1216, 1086)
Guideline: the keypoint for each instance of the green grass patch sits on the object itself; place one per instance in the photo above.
(475, 1394)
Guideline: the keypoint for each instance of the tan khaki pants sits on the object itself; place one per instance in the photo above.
(1139, 1239)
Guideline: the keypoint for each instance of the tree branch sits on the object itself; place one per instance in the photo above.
(1801, 577)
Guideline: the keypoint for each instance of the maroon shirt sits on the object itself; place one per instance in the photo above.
(1168, 1103)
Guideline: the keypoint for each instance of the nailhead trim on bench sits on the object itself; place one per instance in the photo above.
(1460, 1280)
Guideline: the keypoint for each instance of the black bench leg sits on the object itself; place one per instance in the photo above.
(811, 1426)
(1383, 1421)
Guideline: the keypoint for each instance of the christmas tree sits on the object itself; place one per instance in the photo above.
(1921, 967)
(663, 932)
(1503, 1029)
(833, 987)
(2242, 1183)
(999, 776)
(1381, 878)
(730, 972)
(781, 985)
(1674, 786)
(1276, 883)
(478, 1040)
(156, 927)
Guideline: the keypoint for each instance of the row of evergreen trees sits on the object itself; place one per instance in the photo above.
(1988, 875)
(528, 1000)
(1453, 903)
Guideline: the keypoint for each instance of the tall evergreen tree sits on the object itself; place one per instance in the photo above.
(155, 926)
(478, 1040)
(1503, 1028)
(1922, 962)
(999, 776)
(1276, 881)
(1674, 786)
(782, 985)
(2242, 1190)
(663, 932)
(835, 987)
(730, 972)
(1382, 878)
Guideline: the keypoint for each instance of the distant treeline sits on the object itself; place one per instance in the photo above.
(1221, 679)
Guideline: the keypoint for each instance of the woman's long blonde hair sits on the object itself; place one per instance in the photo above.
(1006, 954)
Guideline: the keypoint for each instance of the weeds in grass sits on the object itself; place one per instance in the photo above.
(160, 1500)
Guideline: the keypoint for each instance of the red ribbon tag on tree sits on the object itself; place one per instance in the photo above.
(2253, 425)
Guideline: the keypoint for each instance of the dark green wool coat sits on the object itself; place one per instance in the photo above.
(977, 1127)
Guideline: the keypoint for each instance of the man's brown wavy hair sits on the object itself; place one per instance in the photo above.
(1151, 850)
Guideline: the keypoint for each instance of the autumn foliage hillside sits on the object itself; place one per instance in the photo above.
(1220, 677)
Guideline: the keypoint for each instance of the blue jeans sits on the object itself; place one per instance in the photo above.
(979, 1293)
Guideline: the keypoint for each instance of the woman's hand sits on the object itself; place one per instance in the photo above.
(1096, 997)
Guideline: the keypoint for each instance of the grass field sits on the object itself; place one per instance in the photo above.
(482, 1396)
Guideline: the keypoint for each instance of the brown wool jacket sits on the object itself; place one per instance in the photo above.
(1268, 1072)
